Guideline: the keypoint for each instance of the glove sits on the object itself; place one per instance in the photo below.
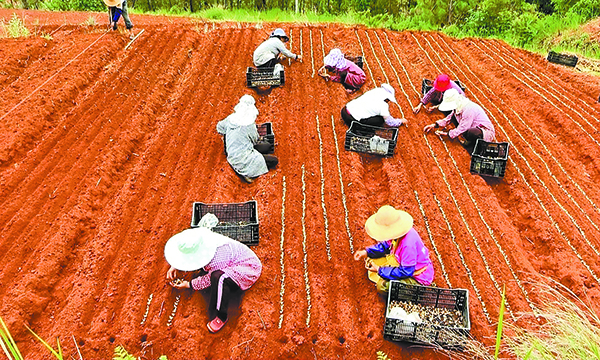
(208, 221)
(394, 122)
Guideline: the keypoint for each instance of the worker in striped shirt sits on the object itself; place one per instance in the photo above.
(225, 267)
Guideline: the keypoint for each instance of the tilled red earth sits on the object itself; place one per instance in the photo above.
(104, 150)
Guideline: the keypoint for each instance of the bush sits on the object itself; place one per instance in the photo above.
(586, 9)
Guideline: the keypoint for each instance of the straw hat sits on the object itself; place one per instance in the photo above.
(388, 224)
(192, 249)
(112, 2)
(391, 92)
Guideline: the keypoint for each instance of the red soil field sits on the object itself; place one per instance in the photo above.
(104, 150)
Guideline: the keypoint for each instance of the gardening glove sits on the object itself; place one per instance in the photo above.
(208, 221)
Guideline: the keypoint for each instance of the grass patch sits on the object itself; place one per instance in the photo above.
(15, 28)
(566, 328)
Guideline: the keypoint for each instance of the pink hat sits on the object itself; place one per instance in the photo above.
(442, 82)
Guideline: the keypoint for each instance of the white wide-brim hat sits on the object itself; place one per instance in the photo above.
(192, 249)
(390, 90)
(450, 100)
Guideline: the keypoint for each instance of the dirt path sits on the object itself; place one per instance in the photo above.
(104, 150)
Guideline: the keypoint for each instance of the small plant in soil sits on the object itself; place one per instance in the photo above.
(15, 27)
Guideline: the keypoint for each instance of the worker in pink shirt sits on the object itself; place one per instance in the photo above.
(339, 69)
(470, 121)
(399, 254)
(435, 95)
(226, 266)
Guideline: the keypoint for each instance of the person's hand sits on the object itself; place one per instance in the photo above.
(171, 274)
(299, 57)
(180, 284)
(395, 122)
(429, 127)
(371, 266)
(417, 108)
(360, 254)
(430, 109)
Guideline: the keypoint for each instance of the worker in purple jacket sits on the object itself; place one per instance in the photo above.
(339, 69)
(435, 95)
(399, 253)
(470, 121)
(226, 266)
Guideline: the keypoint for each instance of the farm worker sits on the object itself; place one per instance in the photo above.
(246, 153)
(343, 71)
(470, 121)
(399, 253)
(435, 94)
(372, 108)
(116, 8)
(226, 267)
(267, 53)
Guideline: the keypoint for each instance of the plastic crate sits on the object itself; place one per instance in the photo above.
(562, 59)
(489, 159)
(238, 221)
(265, 130)
(264, 77)
(371, 139)
(427, 84)
(358, 60)
(423, 333)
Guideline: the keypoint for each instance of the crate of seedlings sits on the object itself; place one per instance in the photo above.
(427, 315)
(371, 139)
(562, 59)
(358, 60)
(265, 131)
(427, 84)
(238, 221)
(489, 159)
(270, 76)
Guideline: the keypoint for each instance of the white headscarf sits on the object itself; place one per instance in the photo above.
(335, 59)
(245, 112)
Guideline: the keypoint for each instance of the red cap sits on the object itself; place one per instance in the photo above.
(442, 82)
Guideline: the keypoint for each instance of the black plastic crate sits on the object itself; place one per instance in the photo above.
(427, 84)
(427, 333)
(562, 59)
(238, 221)
(489, 159)
(371, 139)
(265, 131)
(264, 77)
(358, 60)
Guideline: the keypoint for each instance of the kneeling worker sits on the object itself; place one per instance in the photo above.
(399, 254)
(371, 108)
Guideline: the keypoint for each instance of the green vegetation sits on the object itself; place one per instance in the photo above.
(536, 25)
(567, 329)
(15, 27)
(7, 343)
